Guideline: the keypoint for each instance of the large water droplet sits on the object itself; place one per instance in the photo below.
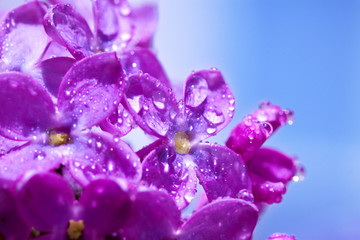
(267, 128)
(214, 116)
(159, 100)
(246, 195)
(196, 91)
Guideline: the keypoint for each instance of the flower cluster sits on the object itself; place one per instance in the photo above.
(77, 76)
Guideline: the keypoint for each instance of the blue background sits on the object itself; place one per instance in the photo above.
(303, 55)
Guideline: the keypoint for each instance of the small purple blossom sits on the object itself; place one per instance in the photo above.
(175, 163)
(89, 92)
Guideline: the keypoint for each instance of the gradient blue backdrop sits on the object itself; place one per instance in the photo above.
(303, 55)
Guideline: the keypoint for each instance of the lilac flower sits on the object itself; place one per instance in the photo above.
(178, 158)
(12, 224)
(89, 92)
(281, 236)
(117, 28)
(155, 216)
(49, 205)
(25, 45)
(269, 169)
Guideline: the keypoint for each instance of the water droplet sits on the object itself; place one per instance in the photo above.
(214, 116)
(289, 116)
(268, 129)
(39, 155)
(159, 100)
(300, 174)
(210, 130)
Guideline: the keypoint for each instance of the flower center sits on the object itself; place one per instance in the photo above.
(58, 139)
(182, 143)
(75, 229)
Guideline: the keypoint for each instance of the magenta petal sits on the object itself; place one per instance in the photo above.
(248, 136)
(105, 207)
(12, 225)
(114, 27)
(281, 236)
(46, 201)
(53, 70)
(7, 144)
(273, 114)
(154, 216)
(22, 37)
(165, 169)
(145, 18)
(26, 108)
(225, 219)
(97, 155)
(221, 171)
(266, 191)
(152, 104)
(91, 90)
(67, 27)
(272, 165)
(119, 123)
(210, 103)
(29, 157)
(143, 60)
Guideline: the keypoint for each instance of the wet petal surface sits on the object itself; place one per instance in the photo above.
(119, 123)
(154, 216)
(105, 207)
(165, 169)
(143, 60)
(153, 105)
(221, 171)
(29, 157)
(266, 191)
(52, 72)
(209, 102)
(97, 155)
(46, 201)
(22, 37)
(225, 219)
(91, 90)
(272, 165)
(26, 108)
(248, 136)
(67, 27)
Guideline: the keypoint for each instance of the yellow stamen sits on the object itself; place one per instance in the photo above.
(75, 229)
(182, 143)
(58, 139)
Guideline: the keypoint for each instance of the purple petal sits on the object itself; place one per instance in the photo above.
(143, 60)
(119, 123)
(210, 103)
(22, 37)
(100, 155)
(54, 49)
(272, 165)
(46, 201)
(221, 171)
(114, 26)
(26, 108)
(281, 236)
(273, 114)
(52, 72)
(225, 219)
(91, 90)
(142, 153)
(7, 144)
(12, 225)
(105, 207)
(266, 191)
(145, 19)
(154, 216)
(165, 169)
(248, 136)
(153, 105)
(29, 157)
(67, 27)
